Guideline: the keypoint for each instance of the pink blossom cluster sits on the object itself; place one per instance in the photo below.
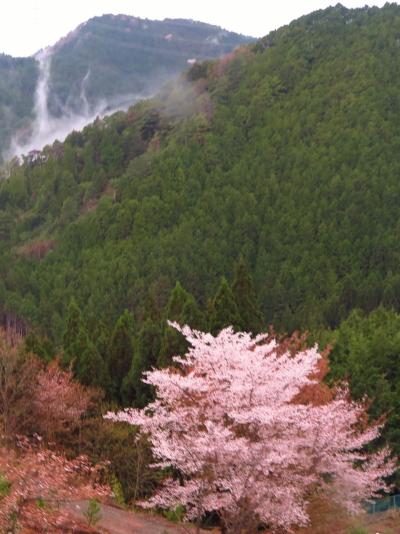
(58, 399)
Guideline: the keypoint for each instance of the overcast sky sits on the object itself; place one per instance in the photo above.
(28, 25)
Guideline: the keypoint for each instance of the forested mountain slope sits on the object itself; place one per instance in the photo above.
(284, 153)
(275, 165)
(120, 55)
(105, 63)
(18, 77)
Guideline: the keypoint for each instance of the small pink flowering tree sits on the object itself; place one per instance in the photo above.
(230, 422)
(59, 401)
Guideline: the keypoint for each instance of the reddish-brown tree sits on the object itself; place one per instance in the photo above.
(17, 381)
(59, 401)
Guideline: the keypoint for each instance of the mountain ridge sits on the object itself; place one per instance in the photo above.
(100, 65)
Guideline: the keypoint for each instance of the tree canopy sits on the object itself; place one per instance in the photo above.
(230, 421)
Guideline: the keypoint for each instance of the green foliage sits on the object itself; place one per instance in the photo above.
(251, 317)
(358, 530)
(5, 486)
(74, 326)
(367, 353)
(80, 352)
(93, 512)
(176, 515)
(147, 349)
(224, 310)
(118, 492)
(181, 308)
(41, 346)
(40, 503)
(89, 367)
(120, 353)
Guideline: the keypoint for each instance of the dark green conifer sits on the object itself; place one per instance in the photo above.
(100, 335)
(176, 302)
(251, 317)
(181, 308)
(39, 345)
(120, 352)
(88, 365)
(151, 309)
(80, 352)
(146, 353)
(224, 311)
(192, 315)
(73, 327)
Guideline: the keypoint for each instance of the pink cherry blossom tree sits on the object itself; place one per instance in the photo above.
(231, 421)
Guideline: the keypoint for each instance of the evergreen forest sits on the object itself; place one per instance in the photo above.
(258, 190)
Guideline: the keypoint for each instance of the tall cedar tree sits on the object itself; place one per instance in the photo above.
(147, 349)
(100, 334)
(87, 364)
(192, 314)
(224, 311)
(73, 326)
(120, 353)
(181, 307)
(251, 317)
(34, 343)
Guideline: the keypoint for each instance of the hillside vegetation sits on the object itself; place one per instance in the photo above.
(18, 78)
(122, 55)
(275, 166)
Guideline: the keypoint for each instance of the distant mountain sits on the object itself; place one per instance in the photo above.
(105, 64)
(117, 55)
(18, 79)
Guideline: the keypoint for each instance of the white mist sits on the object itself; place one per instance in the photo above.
(46, 128)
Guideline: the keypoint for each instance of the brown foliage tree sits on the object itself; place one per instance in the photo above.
(17, 378)
(59, 401)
